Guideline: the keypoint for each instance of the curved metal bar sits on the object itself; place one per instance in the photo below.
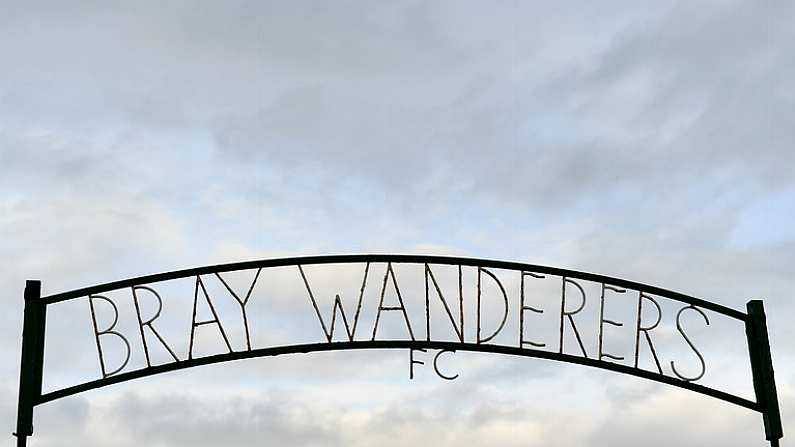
(397, 259)
(398, 344)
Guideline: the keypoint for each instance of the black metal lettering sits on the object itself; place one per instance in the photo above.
(504, 297)
(150, 322)
(646, 329)
(436, 365)
(337, 306)
(214, 320)
(692, 346)
(603, 320)
(381, 306)
(523, 308)
(108, 331)
(413, 362)
(243, 302)
(459, 329)
(35, 311)
(569, 315)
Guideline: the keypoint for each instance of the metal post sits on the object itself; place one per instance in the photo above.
(762, 370)
(32, 362)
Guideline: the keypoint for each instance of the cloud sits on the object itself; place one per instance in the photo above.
(647, 141)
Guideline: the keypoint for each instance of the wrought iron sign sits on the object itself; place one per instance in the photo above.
(380, 292)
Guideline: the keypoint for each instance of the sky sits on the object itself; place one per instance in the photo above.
(646, 140)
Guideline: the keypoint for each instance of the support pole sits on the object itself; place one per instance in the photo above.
(32, 362)
(762, 370)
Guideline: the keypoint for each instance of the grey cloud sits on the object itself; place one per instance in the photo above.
(625, 118)
(655, 421)
(627, 139)
(180, 419)
(176, 419)
(481, 414)
(488, 124)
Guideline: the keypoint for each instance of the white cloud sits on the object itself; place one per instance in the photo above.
(647, 141)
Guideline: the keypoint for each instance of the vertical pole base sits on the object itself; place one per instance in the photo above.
(22, 440)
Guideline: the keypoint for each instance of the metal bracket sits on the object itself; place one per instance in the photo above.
(30, 374)
(35, 309)
(762, 370)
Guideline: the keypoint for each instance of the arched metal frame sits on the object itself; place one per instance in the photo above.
(30, 392)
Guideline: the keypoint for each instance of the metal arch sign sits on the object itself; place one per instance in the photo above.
(481, 273)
